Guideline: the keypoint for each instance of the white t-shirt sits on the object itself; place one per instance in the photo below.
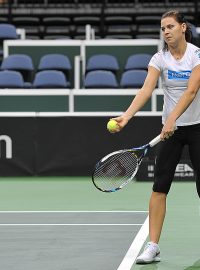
(175, 75)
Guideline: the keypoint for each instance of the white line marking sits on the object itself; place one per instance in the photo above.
(68, 224)
(35, 211)
(135, 247)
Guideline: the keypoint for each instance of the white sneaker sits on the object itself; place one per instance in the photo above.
(150, 254)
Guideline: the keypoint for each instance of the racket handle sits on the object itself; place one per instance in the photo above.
(155, 141)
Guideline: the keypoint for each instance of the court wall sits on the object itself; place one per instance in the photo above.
(71, 145)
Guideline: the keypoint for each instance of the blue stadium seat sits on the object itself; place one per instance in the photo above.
(11, 79)
(19, 62)
(58, 62)
(50, 79)
(138, 61)
(133, 78)
(102, 62)
(100, 79)
(8, 31)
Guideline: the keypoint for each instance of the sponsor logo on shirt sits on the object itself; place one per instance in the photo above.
(179, 75)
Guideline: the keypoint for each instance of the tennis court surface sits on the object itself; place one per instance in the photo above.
(65, 223)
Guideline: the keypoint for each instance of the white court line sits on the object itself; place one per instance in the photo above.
(68, 224)
(84, 211)
(135, 247)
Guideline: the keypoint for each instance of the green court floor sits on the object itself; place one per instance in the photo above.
(68, 193)
(180, 241)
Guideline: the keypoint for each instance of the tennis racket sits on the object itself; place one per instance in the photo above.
(118, 168)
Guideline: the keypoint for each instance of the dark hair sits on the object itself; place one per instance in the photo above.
(179, 17)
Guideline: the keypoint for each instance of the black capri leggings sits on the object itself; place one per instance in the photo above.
(169, 153)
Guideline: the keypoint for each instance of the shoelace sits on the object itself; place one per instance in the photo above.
(150, 250)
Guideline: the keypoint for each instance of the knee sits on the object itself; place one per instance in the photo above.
(159, 195)
(161, 187)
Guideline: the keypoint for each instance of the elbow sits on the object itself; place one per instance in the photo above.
(145, 93)
(192, 93)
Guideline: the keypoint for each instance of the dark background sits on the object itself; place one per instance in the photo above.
(67, 146)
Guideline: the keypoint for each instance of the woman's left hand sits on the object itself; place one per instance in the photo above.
(168, 129)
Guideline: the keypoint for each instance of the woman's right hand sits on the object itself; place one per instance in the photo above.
(121, 122)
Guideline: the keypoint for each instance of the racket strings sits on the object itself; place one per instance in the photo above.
(116, 170)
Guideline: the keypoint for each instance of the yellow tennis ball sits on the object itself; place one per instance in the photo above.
(112, 125)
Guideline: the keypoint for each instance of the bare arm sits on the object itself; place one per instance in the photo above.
(184, 102)
(141, 98)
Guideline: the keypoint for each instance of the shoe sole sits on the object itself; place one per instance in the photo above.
(156, 259)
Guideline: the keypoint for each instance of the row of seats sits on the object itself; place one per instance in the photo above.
(24, 64)
(101, 71)
(52, 79)
(106, 79)
(64, 27)
(110, 62)
(9, 31)
(121, 27)
(43, 79)
(59, 62)
(76, 2)
(104, 4)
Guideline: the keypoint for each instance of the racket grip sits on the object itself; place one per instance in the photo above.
(155, 141)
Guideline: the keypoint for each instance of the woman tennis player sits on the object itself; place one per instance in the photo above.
(178, 64)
